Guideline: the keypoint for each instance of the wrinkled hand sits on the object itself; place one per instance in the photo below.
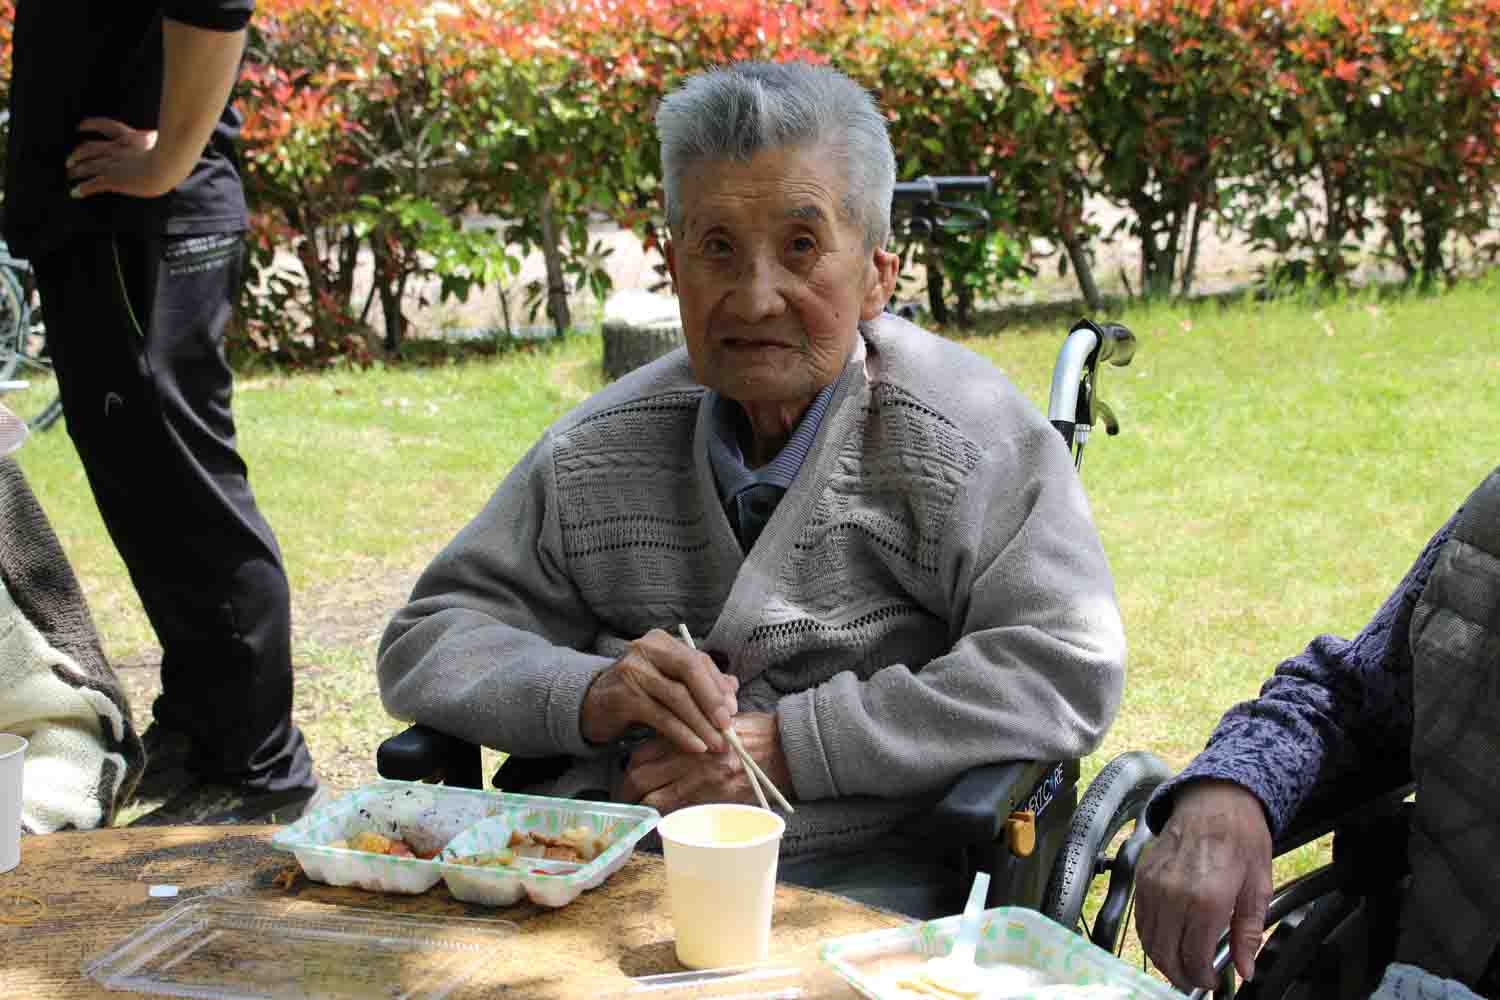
(1209, 869)
(667, 685)
(661, 776)
(127, 161)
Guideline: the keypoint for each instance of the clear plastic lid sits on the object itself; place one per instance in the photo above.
(230, 948)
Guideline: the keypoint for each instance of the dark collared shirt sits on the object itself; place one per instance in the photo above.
(77, 59)
(750, 495)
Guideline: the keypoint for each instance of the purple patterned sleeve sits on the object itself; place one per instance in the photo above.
(1340, 708)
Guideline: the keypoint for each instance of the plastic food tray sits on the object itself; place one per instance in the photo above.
(227, 949)
(461, 821)
(869, 962)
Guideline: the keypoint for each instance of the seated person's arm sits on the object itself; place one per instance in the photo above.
(488, 647)
(1034, 673)
(1340, 708)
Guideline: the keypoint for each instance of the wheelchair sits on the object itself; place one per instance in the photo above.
(1021, 821)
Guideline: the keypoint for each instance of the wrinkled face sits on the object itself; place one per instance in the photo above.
(771, 279)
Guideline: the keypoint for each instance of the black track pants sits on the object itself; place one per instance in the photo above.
(135, 328)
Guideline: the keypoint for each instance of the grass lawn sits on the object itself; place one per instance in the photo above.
(1280, 466)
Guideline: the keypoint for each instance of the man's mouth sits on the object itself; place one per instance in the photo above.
(752, 343)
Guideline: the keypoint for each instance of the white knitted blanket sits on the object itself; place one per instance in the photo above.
(70, 780)
(56, 687)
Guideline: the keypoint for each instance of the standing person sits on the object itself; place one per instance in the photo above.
(122, 189)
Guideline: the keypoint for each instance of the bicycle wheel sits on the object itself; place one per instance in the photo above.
(49, 415)
(14, 322)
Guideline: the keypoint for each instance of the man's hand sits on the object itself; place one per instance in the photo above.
(663, 777)
(127, 161)
(667, 685)
(198, 70)
(1209, 869)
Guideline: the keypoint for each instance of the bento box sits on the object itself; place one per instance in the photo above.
(458, 835)
(1028, 955)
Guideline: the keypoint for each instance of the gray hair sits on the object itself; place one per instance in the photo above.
(738, 111)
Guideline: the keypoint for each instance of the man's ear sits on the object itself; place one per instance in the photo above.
(884, 267)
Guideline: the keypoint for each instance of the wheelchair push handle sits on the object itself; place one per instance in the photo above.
(922, 203)
(1073, 405)
(933, 189)
(1116, 344)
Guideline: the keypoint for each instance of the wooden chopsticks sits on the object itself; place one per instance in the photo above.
(757, 776)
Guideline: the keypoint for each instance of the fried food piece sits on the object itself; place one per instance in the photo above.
(539, 845)
(588, 844)
(373, 843)
(376, 843)
(579, 844)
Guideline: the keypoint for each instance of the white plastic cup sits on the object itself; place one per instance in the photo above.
(721, 880)
(12, 757)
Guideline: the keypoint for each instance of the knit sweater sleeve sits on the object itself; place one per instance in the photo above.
(491, 645)
(1339, 710)
(1037, 657)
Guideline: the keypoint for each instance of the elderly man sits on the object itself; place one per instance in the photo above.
(882, 548)
(1415, 694)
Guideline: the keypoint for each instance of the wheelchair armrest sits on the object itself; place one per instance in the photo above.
(421, 753)
(974, 809)
(1321, 817)
(971, 823)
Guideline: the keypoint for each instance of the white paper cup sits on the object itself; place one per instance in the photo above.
(12, 757)
(721, 879)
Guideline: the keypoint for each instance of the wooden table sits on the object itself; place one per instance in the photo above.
(95, 886)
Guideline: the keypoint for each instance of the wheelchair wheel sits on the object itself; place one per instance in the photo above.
(1309, 956)
(1115, 800)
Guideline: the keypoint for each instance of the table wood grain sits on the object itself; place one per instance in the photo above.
(95, 886)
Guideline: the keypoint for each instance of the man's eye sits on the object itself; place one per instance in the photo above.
(803, 244)
(716, 246)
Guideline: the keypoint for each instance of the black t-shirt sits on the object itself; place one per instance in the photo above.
(77, 59)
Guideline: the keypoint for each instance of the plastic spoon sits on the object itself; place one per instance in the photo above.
(957, 972)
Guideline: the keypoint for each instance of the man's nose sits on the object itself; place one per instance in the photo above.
(758, 294)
